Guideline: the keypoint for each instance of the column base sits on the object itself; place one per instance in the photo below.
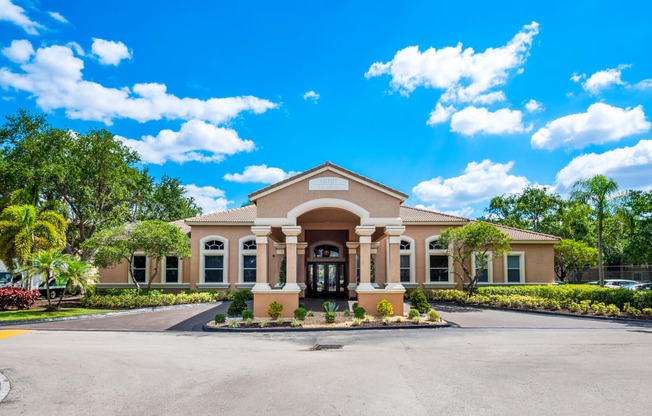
(289, 300)
(369, 301)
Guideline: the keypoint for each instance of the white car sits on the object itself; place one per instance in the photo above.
(5, 279)
(615, 283)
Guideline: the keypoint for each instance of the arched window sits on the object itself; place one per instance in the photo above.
(406, 248)
(438, 262)
(326, 250)
(247, 261)
(214, 262)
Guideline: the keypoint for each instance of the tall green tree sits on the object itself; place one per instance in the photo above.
(636, 212)
(154, 239)
(168, 201)
(77, 274)
(573, 256)
(597, 192)
(49, 264)
(23, 232)
(479, 239)
(532, 209)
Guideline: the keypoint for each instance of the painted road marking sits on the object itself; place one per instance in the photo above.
(6, 333)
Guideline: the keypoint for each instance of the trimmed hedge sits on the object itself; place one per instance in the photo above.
(130, 299)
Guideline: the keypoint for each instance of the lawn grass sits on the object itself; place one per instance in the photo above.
(40, 314)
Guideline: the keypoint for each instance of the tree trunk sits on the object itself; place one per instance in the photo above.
(61, 296)
(47, 291)
(130, 273)
(600, 265)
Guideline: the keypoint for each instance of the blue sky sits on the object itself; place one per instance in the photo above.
(230, 96)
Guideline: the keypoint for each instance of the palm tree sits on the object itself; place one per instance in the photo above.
(49, 263)
(596, 192)
(77, 274)
(23, 232)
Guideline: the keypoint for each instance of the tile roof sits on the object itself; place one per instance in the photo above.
(247, 215)
(328, 164)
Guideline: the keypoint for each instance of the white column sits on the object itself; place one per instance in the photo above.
(365, 232)
(353, 267)
(301, 263)
(394, 279)
(261, 232)
(291, 232)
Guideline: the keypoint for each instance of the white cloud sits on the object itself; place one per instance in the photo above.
(54, 77)
(210, 199)
(466, 76)
(15, 14)
(577, 78)
(440, 114)
(259, 174)
(109, 52)
(473, 120)
(631, 167)
(533, 106)
(643, 85)
(311, 95)
(464, 212)
(479, 182)
(20, 51)
(195, 141)
(58, 17)
(600, 124)
(601, 79)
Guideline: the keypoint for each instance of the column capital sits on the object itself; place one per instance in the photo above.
(291, 230)
(365, 230)
(261, 230)
(394, 230)
(352, 244)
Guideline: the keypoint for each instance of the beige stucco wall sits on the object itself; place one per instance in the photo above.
(119, 274)
(278, 203)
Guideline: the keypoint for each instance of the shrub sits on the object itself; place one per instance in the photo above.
(249, 321)
(12, 297)
(355, 305)
(627, 308)
(303, 305)
(239, 302)
(399, 319)
(247, 314)
(385, 308)
(329, 307)
(359, 312)
(330, 317)
(300, 314)
(220, 318)
(347, 313)
(311, 314)
(295, 323)
(599, 308)
(263, 323)
(552, 304)
(413, 313)
(613, 310)
(416, 320)
(275, 310)
(234, 324)
(386, 320)
(280, 321)
(368, 318)
(418, 301)
(356, 322)
(647, 311)
(433, 316)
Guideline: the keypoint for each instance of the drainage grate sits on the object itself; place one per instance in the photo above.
(322, 347)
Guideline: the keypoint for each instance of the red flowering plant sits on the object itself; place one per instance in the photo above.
(12, 297)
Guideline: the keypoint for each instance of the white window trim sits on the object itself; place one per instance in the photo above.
(413, 275)
(139, 253)
(242, 253)
(164, 271)
(490, 268)
(442, 252)
(203, 253)
(521, 255)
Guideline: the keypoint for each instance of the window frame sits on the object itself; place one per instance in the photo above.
(413, 278)
(164, 270)
(245, 252)
(438, 252)
(147, 269)
(203, 252)
(521, 255)
(490, 268)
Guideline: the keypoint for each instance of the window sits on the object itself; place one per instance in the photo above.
(482, 265)
(438, 262)
(514, 267)
(405, 245)
(247, 272)
(326, 250)
(438, 268)
(405, 268)
(249, 245)
(172, 269)
(139, 269)
(213, 267)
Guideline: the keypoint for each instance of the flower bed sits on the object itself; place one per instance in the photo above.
(131, 298)
(556, 299)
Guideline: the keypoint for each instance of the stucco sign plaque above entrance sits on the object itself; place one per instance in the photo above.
(328, 184)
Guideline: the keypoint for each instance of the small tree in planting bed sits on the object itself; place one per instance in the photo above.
(573, 256)
(154, 239)
(479, 238)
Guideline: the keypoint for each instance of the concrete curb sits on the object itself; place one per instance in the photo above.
(550, 313)
(207, 328)
(5, 386)
(106, 314)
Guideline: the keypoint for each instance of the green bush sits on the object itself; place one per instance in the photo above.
(355, 305)
(330, 317)
(647, 311)
(220, 318)
(386, 320)
(239, 303)
(385, 308)
(613, 310)
(275, 310)
(130, 298)
(413, 313)
(416, 320)
(234, 324)
(303, 305)
(247, 314)
(249, 321)
(347, 313)
(296, 323)
(329, 307)
(627, 308)
(263, 323)
(359, 312)
(356, 322)
(418, 301)
(300, 314)
(433, 316)
(311, 314)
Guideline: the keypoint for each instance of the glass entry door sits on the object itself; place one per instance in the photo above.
(325, 279)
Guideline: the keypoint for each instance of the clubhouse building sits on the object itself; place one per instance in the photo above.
(331, 233)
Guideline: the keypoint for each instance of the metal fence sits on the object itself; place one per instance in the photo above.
(637, 273)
